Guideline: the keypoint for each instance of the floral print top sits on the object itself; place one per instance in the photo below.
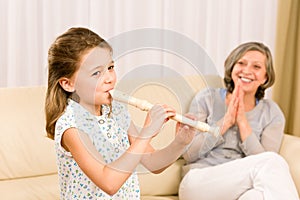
(108, 135)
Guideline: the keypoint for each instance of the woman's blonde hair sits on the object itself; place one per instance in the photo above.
(64, 57)
(237, 53)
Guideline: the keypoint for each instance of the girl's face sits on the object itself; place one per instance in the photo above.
(250, 71)
(95, 78)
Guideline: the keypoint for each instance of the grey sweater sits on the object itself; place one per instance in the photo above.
(266, 120)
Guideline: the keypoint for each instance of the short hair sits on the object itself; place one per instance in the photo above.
(240, 51)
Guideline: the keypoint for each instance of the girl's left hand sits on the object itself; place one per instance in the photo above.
(185, 133)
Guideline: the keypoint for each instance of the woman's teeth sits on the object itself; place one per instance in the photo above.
(246, 79)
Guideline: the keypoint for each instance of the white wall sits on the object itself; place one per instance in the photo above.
(194, 28)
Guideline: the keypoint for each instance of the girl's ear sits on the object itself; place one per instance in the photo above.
(67, 84)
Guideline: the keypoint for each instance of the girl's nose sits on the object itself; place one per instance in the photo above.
(108, 76)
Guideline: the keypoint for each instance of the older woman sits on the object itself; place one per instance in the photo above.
(242, 161)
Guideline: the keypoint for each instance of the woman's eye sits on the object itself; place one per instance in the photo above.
(257, 66)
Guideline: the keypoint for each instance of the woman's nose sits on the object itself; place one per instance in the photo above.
(247, 69)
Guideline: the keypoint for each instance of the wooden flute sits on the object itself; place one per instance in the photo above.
(146, 106)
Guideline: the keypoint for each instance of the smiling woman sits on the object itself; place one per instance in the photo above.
(244, 153)
(253, 56)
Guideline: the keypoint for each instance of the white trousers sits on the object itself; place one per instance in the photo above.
(262, 176)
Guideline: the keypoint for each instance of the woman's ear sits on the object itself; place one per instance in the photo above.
(67, 84)
(266, 80)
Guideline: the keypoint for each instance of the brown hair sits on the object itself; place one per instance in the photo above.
(237, 53)
(64, 57)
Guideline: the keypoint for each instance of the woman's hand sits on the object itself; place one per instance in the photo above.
(241, 119)
(232, 102)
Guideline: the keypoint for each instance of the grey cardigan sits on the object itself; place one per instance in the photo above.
(266, 120)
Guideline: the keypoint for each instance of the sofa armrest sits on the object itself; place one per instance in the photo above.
(290, 149)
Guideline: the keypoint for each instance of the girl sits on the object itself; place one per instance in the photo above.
(97, 145)
(242, 161)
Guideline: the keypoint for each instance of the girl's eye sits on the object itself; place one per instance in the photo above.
(97, 73)
(257, 66)
(240, 62)
(111, 67)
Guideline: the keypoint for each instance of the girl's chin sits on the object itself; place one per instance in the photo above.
(108, 100)
(103, 100)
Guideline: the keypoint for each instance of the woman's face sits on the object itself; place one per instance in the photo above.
(250, 71)
(95, 78)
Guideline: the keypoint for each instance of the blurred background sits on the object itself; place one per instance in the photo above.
(28, 27)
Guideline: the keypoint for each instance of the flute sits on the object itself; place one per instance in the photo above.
(146, 106)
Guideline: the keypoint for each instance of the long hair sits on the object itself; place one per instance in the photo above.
(237, 53)
(64, 58)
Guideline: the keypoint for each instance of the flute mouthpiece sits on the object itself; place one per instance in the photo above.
(119, 96)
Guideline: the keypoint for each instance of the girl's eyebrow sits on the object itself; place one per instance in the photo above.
(111, 63)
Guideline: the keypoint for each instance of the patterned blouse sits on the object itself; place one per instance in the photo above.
(109, 136)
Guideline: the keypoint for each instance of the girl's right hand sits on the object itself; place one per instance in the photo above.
(156, 117)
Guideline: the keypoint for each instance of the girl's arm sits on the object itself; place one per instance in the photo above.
(110, 177)
(158, 160)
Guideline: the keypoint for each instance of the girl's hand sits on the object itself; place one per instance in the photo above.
(156, 117)
(185, 133)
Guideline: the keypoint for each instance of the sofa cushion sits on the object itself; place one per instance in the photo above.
(165, 183)
(40, 187)
(25, 149)
(159, 198)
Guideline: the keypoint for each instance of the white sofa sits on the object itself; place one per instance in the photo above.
(28, 166)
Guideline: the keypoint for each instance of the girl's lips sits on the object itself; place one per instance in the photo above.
(109, 90)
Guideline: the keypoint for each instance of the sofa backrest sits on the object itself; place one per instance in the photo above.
(25, 150)
(176, 92)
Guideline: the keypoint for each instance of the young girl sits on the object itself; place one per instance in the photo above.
(97, 145)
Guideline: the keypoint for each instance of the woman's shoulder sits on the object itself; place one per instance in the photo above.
(271, 107)
(210, 92)
(270, 103)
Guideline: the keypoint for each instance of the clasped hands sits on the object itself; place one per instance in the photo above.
(236, 113)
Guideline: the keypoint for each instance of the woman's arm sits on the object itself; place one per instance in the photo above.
(202, 107)
(272, 133)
